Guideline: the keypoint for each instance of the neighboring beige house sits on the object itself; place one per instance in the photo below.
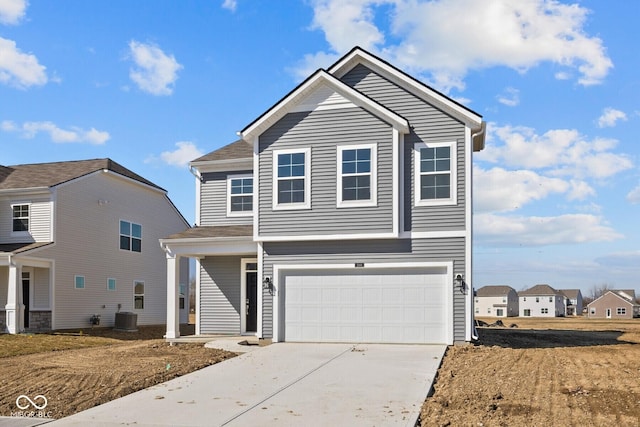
(79, 240)
(614, 304)
(573, 302)
(496, 301)
(541, 301)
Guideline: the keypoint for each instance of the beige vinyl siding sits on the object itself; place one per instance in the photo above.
(87, 244)
(323, 131)
(220, 295)
(40, 285)
(368, 251)
(40, 208)
(428, 124)
(213, 200)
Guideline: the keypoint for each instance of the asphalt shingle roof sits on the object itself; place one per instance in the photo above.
(494, 291)
(539, 290)
(236, 150)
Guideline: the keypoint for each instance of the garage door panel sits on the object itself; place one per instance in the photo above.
(380, 306)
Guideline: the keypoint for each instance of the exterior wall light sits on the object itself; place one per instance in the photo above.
(460, 284)
(267, 284)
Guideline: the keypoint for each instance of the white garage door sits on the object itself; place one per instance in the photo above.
(375, 306)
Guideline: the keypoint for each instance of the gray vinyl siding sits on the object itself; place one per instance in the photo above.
(4, 276)
(428, 124)
(40, 285)
(213, 200)
(323, 131)
(367, 251)
(39, 219)
(220, 287)
(88, 244)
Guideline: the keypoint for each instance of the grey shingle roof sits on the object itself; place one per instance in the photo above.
(539, 290)
(236, 150)
(213, 231)
(51, 174)
(17, 248)
(494, 291)
(570, 293)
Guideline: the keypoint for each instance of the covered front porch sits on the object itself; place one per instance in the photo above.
(227, 294)
(26, 291)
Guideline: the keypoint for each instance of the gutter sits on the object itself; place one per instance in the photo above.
(475, 137)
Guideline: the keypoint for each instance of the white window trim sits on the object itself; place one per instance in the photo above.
(130, 236)
(373, 201)
(115, 282)
(21, 233)
(621, 311)
(307, 180)
(75, 282)
(231, 213)
(135, 294)
(453, 200)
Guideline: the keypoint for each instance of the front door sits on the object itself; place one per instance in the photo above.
(252, 301)
(608, 313)
(25, 298)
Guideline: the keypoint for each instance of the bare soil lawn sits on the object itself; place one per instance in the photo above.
(557, 371)
(76, 371)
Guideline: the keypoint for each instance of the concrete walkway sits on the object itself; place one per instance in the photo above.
(285, 384)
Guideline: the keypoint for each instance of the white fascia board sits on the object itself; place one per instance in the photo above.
(318, 237)
(228, 165)
(197, 247)
(27, 192)
(358, 56)
(288, 103)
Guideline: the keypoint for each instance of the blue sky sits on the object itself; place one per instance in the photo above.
(155, 84)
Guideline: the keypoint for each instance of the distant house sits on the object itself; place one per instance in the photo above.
(497, 301)
(78, 241)
(573, 302)
(614, 304)
(541, 301)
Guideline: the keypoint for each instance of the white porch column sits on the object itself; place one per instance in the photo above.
(173, 296)
(14, 307)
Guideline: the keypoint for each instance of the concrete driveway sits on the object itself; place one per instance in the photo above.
(286, 384)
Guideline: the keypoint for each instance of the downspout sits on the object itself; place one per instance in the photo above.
(480, 132)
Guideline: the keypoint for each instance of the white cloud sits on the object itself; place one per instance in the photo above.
(499, 230)
(500, 190)
(12, 11)
(230, 5)
(510, 97)
(519, 35)
(155, 72)
(186, 152)
(633, 196)
(610, 116)
(30, 130)
(560, 152)
(18, 69)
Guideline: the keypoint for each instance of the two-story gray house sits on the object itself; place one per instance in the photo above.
(342, 214)
(79, 242)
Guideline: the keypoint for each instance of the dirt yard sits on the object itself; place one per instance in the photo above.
(569, 372)
(79, 378)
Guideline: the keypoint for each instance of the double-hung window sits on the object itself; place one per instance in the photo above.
(239, 195)
(130, 236)
(291, 170)
(356, 175)
(435, 174)
(20, 218)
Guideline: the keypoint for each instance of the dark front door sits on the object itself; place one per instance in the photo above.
(25, 301)
(252, 301)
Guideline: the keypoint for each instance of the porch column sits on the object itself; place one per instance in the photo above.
(14, 307)
(173, 296)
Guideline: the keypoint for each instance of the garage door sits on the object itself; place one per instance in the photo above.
(375, 306)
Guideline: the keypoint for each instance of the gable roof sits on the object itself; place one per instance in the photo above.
(307, 87)
(236, 150)
(625, 296)
(494, 291)
(539, 290)
(571, 293)
(46, 175)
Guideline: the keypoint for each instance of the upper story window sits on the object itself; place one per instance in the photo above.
(130, 236)
(20, 218)
(435, 174)
(292, 182)
(239, 195)
(357, 175)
